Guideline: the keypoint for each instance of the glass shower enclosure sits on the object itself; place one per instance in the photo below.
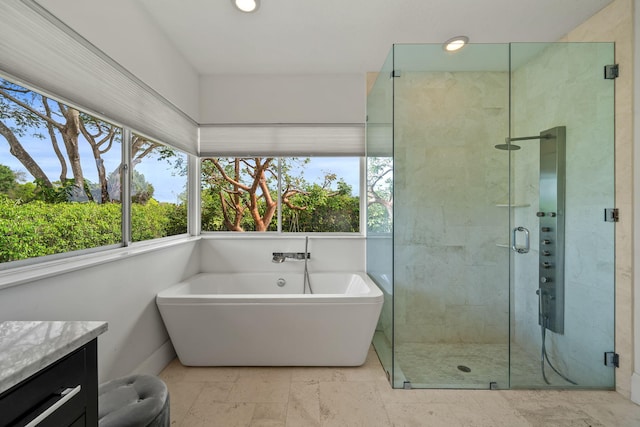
(490, 177)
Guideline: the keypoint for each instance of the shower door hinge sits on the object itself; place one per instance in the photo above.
(407, 385)
(611, 215)
(611, 71)
(396, 73)
(611, 359)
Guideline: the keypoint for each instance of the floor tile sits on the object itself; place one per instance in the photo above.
(181, 396)
(351, 404)
(303, 409)
(269, 415)
(362, 396)
(258, 391)
(619, 414)
(419, 414)
(265, 373)
(213, 374)
(219, 414)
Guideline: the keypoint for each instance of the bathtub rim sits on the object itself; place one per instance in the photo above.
(171, 295)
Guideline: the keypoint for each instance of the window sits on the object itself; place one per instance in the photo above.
(158, 190)
(55, 162)
(379, 194)
(317, 194)
(60, 180)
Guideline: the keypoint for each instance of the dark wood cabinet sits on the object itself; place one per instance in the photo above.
(65, 393)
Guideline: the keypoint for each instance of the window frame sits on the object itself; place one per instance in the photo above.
(279, 232)
(11, 267)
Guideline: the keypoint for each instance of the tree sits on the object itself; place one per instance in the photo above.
(27, 113)
(242, 186)
(240, 194)
(31, 112)
(8, 181)
(141, 190)
(380, 193)
(327, 210)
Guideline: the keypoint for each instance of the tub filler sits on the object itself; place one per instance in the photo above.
(265, 319)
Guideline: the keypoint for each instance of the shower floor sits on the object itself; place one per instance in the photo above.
(437, 366)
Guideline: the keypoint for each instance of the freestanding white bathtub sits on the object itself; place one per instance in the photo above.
(264, 319)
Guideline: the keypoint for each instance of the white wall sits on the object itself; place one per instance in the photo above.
(245, 253)
(120, 292)
(635, 380)
(134, 41)
(282, 98)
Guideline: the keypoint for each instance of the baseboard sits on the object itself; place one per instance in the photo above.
(635, 388)
(155, 363)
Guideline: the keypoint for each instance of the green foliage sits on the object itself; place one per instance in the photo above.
(379, 194)
(56, 194)
(306, 207)
(141, 190)
(38, 228)
(378, 219)
(24, 193)
(325, 211)
(7, 179)
(153, 220)
(35, 229)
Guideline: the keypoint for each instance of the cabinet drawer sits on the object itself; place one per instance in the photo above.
(27, 400)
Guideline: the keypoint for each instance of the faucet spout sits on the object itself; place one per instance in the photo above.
(278, 257)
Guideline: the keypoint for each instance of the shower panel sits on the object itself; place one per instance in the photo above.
(551, 225)
(552, 215)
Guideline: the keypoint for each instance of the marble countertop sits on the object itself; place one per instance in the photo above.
(28, 346)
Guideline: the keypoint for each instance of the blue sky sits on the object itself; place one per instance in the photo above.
(168, 185)
(348, 168)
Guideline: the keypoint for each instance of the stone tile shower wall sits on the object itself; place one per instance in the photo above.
(451, 279)
(568, 97)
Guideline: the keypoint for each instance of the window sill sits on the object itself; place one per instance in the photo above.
(29, 273)
(275, 235)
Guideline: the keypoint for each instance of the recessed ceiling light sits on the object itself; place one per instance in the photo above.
(455, 43)
(246, 5)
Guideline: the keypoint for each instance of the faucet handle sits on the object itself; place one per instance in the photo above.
(278, 257)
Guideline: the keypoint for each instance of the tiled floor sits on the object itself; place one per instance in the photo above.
(361, 396)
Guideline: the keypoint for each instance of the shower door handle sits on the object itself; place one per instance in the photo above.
(520, 249)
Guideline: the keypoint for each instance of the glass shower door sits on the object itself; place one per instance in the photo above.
(379, 142)
(450, 248)
(562, 180)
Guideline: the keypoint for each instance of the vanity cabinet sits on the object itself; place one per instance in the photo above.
(49, 373)
(64, 393)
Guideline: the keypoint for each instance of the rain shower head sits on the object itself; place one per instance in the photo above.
(508, 147)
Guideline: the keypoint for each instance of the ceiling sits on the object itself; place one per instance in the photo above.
(348, 36)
